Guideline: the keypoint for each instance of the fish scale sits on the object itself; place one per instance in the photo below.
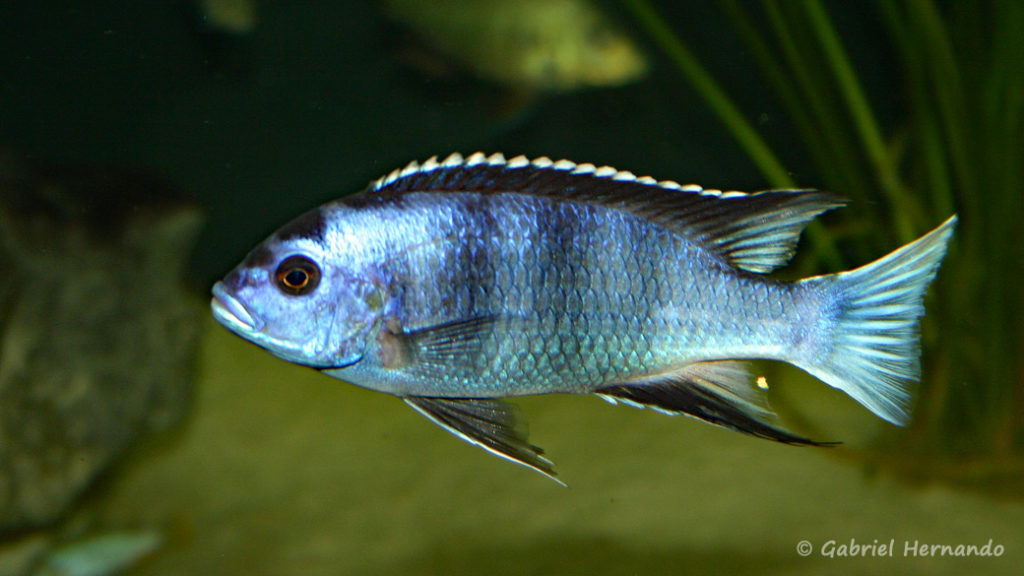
(481, 271)
(459, 282)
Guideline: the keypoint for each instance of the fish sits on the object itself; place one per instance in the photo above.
(231, 17)
(535, 46)
(458, 283)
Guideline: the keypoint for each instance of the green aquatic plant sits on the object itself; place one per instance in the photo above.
(957, 145)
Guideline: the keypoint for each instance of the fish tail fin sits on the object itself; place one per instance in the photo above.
(873, 350)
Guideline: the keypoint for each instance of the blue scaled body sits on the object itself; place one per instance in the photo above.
(458, 282)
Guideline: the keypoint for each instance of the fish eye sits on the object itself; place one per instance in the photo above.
(297, 275)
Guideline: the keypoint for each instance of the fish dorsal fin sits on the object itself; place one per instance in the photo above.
(756, 232)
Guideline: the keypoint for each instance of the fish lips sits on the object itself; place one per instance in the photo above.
(230, 312)
(234, 316)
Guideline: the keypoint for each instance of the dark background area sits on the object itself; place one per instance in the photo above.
(315, 102)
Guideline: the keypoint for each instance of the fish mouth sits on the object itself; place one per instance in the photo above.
(230, 312)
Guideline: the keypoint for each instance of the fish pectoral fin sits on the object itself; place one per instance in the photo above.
(489, 424)
(458, 341)
(720, 393)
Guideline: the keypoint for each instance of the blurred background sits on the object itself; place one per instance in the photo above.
(146, 147)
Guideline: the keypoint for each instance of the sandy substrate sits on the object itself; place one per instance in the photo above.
(284, 471)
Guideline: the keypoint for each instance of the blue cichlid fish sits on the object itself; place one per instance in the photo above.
(455, 283)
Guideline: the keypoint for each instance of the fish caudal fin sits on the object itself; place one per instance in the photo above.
(874, 350)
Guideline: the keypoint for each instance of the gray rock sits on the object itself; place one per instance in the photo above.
(97, 334)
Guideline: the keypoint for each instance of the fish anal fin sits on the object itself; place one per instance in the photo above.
(719, 392)
(489, 424)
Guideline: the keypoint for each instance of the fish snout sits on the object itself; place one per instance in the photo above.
(231, 312)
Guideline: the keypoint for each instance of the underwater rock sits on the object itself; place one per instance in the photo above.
(97, 334)
(20, 556)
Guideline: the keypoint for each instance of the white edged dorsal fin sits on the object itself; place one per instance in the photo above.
(755, 232)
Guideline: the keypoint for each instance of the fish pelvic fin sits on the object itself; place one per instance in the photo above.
(720, 393)
(490, 424)
(873, 353)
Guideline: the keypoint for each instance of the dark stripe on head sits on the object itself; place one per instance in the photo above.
(368, 199)
(311, 225)
(260, 257)
(235, 281)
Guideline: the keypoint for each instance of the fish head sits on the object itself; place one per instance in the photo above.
(301, 301)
